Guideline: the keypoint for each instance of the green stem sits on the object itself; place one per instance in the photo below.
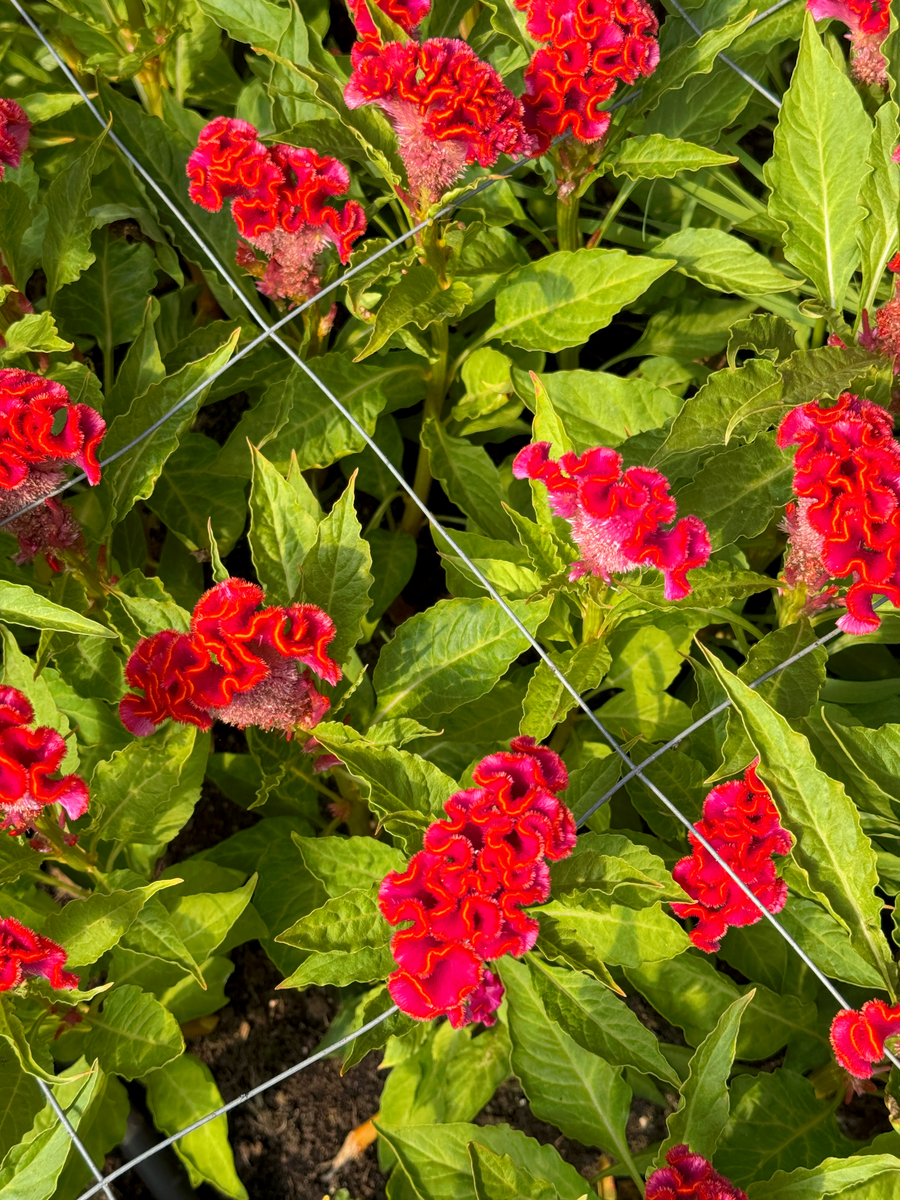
(435, 391)
(568, 237)
(611, 213)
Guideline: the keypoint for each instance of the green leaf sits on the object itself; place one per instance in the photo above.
(12, 1033)
(830, 844)
(153, 933)
(21, 606)
(776, 1124)
(600, 1022)
(598, 408)
(547, 702)
(348, 939)
(180, 1093)
(469, 478)
(345, 863)
(282, 531)
(32, 334)
(20, 1099)
(337, 573)
(738, 491)
(771, 336)
(88, 928)
(827, 371)
(584, 928)
(497, 1177)
(654, 156)
(417, 299)
(858, 1177)
(132, 1034)
(191, 492)
(562, 299)
(256, 22)
(435, 1158)
(723, 262)
(203, 919)
(67, 241)
(819, 158)
(450, 655)
(394, 555)
(690, 58)
(880, 197)
(825, 941)
(703, 1109)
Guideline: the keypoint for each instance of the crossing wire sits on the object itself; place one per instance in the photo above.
(270, 331)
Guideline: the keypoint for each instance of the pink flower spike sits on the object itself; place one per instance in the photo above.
(14, 130)
(617, 517)
(868, 22)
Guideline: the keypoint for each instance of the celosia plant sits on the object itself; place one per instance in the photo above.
(741, 823)
(688, 1176)
(41, 432)
(408, 14)
(238, 664)
(868, 22)
(14, 130)
(845, 521)
(858, 1038)
(616, 516)
(25, 954)
(465, 892)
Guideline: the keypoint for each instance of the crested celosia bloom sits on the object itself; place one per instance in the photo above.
(448, 108)
(846, 519)
(868, 22)
(858, 1038)
(465, 892)
(28, 757)
(689, 1176)
(405, 13)
(617, 517)
(741, 823)
(24, 952)
(41, 433)
(14, 129)
(589, 47)
(239, 664)
(279, 200)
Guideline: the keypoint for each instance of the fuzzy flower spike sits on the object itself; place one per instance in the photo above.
(280, 203)
(868, 22)
(464, 893)
(14, 130)
(449, 108)
(26, 953)
(239, 664)
(617, 517)
(858, 1038)
(34, 451)
(845, 521)
(688, 1176)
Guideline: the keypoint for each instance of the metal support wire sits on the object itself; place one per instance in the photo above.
(754, 83)
(271, 331)
(102, 1184)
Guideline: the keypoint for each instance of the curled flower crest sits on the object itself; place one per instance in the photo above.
(41, 432)
(688, 1176)
(617, 517)
(464, 893)
(858, 1037)
(845, 521)
(239, 664)
(14, 130)
(868, 22)
(24, 953)
(280, 203)
(741, 823)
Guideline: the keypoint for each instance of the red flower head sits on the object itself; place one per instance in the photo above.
(616, 518)
(238, 664)
(846, 521)
(14, 129)
(868, 22)
(279, 203)
(741, 823)
(24, 952)
(28, 757)
(858, 1038)
(465, 891)
(34, 449)
(448, 108)
(590, 46)
(405, 13)
(689, 1176)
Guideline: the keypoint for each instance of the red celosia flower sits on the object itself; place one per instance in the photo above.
(238, 664)
(616, 518)
(279, 203)
(846, 521)
(405, 13)
(34, 449)
(28, 757)
(14, 129)
(858, 1038)
(24, 952)
(590, 46)
(690, 1177)
(868, 22)
(742, 825)
(447, 106)
(465, 891)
